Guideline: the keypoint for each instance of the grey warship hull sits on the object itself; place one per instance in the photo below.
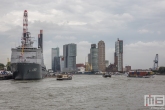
(28, 71)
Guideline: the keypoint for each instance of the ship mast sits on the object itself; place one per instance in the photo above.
(25, 30)
(25, 24)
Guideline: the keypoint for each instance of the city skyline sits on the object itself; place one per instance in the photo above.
(140, 24)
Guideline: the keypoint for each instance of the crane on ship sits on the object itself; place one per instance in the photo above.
(25, 31)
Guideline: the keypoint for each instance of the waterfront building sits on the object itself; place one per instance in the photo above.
(101, 56)
(70, 53)
(118, 55)
(57, 64)
(55, 53)
(61, 63)
(88, 66)
(80, 68)
(127, 68)
(94, 57)
(89, 59)
(111, 68)
(106, 63)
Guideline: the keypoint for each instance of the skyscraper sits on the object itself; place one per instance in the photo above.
(70, 53)
(118, 56)
(94, 57)
(59, 64)
(55, 53)
(101, 56)
(89, 58)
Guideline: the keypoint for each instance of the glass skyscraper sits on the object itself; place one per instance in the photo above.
(94, 57)
(69, 54)
(119, 55)
(54, 56)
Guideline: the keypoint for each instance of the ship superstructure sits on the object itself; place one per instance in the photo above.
(27, 61)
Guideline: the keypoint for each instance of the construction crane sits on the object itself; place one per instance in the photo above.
(155, 67)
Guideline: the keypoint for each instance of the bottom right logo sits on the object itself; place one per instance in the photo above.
(154, 100)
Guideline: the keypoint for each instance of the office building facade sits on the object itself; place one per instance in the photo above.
(69, 54)
(94, 57)
(127, 68)
(118, 55)
(89, 58)
(54, 56)
(101, 56)
(61, 63)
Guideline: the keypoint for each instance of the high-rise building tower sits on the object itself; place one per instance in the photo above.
(69, 54)
(101, 56)
(89, 58)
(118, 56)
(94, 57)
(55, 54)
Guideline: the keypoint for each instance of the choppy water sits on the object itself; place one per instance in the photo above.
(83, 92)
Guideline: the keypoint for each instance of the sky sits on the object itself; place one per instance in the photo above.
(139, 23)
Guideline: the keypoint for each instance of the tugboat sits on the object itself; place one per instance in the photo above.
(105, 75)
(64, 77)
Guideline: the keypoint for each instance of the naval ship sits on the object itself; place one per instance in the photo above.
(27, 62)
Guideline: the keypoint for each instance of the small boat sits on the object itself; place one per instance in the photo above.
(140, 74)
(106, 75)
(64, 77)
(148, 76)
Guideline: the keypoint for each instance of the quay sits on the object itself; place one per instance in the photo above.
(6, 76)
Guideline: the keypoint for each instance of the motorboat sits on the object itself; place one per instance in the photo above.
(106, 75)
(64, 77)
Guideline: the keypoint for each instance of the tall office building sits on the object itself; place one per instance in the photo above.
(101, 56)
(89, 59)
(94, 57)
(61, 63)
(55, 53)
(56, 64)
(118, 56)
(70, 53)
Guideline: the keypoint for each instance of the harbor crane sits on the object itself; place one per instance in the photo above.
(155, 67)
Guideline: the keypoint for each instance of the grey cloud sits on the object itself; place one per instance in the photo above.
(84, 20)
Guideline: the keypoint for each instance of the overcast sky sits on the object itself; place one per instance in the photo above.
(139, 23)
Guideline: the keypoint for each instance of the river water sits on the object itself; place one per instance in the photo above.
(83, 92)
